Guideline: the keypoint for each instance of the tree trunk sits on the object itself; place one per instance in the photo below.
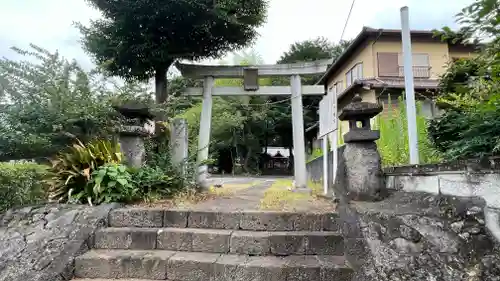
(247, 158)
(161, 94)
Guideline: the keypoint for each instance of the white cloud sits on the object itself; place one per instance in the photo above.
(49, 23)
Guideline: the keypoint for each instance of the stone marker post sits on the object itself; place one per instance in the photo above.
(179, 142)
(131, 135)
(362, 160)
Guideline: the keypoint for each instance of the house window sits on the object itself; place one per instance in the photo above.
(355, 73)
(391, 65)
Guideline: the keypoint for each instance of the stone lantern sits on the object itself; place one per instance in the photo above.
(362, 160)
(131, 135)
(359, 113)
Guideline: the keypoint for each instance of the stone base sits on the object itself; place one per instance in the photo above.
(302, 190)
(364, 180)
(132, 147)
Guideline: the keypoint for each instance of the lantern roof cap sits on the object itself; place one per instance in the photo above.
(134, 110)
(358, 109)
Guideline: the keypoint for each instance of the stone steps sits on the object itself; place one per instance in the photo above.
(143, 244)
(100, 279)
(191, 266)
(279, 243)
(245, 220)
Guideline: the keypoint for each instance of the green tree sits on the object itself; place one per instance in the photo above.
(308, 50)
(139, 40)
(471, 89)
(48, 100)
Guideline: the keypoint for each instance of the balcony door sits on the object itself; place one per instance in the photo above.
(391, 65)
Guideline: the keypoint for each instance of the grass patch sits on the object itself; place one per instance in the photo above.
(281, 196)
(316, 187)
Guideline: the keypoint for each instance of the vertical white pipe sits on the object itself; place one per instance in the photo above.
(411, 111)
(325, 164)
(335, 153)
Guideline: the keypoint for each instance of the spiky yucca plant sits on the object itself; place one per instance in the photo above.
(72, 169)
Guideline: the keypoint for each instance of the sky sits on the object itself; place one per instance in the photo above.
(49, 23)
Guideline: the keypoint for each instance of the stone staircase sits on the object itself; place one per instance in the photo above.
(153, 244)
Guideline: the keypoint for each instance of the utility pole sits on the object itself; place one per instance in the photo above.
(411, 111)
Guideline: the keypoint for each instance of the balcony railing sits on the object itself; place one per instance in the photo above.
(418, 71)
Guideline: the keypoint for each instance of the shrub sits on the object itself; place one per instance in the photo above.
(467, 134)
(159, 178)
(72, 169)
(153, 181)
(109, 183)
(21, 183)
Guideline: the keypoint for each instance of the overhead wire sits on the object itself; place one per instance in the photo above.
(347, 20)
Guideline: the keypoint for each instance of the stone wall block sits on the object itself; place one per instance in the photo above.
(268, 220)
(287, 243)
(218, 220)
(175, 218)
(250, 243)
(192, 266)
(321, 243)
(126, 238)
(136, 217)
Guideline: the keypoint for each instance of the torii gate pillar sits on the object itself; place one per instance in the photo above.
(205, 128)
(299, 152)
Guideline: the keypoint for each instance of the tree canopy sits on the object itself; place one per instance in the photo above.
(139, 40)
(470, 127)
(308, 50)
(48, 100)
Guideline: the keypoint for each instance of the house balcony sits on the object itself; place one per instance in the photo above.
(418, 71)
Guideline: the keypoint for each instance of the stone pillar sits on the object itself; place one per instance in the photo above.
(364, 179)
(204, 136)
(299, 149)
(179, 142)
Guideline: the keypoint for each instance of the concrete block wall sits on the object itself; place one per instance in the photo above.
(315, 168)
(454, 180)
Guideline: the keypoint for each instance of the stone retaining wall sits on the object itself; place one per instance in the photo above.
(40, 243)
(417, 235)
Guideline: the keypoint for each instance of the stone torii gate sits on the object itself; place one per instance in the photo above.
(250, 76)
